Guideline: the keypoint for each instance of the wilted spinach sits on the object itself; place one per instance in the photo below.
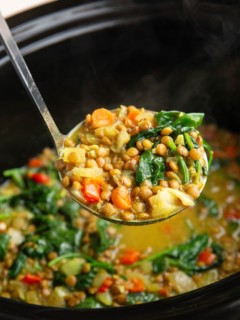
(151, 167)
(4, 241)
(141, 297)
(184, 256)
(89, 303)
(178, 121)
(210, 204)
(100, 240)
(18, 265)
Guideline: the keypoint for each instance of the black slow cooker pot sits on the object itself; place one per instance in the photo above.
(157, 54)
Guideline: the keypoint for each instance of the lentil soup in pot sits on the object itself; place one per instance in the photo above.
(54, 253)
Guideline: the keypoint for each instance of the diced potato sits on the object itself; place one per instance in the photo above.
(72, 266)
(87, 172)
(32, 297)
(121, 140)
(16, 236)
(168, 201)
(56, 298)
(122, 112)
(99, 278)
(92, 139)
(181, 282)
(108, 131)
(104, 298)
(145, 115)
(180, 140)
(80, 152)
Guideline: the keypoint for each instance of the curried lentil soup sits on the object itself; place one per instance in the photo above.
(54, 253)
(135, 164)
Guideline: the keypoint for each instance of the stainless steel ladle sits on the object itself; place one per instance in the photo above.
(58, 138)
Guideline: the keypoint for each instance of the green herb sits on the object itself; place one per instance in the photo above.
(178, 121)
(17, 175)
(100, 240)
(184, 256)
(4, 241)
(89, 303)
(210, 204)
(141, 297)
(210, 152)
(189, 141)
(5, 198)
(5, 215)
(18, 265)
(63, 257)
(84, 280)
(150, 133)
(70, 209)
(36, 247)
(151, 167)
(94, 263)
(184, 168)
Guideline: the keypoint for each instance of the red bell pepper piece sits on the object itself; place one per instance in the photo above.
(40, 178)
(31, 279)
(130, 256)
(92, 190)
(207, 257)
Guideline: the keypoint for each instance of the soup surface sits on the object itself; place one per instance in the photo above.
(54, 253)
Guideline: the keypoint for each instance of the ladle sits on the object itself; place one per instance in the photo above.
(25, 76)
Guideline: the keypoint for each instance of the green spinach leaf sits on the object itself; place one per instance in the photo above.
(210, 204)
(100, 240)
(17, 266)
(4, 241)
(184, 256)
(141, 297)
(89, 303)
(151, 167)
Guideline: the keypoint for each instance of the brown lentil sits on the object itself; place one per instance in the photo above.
(147, 144)
(66, 181)
(108, 166)
(195, 154)
(173, 165)
(71, 280)
(132, 152)
(163, 183)
(100, 161)
(139, 145)
(161, 149)
(109, 210)
(126, 181)
(145, 125)
(165, 140)
(174, 184)
(166, 131)
(182, 150)
(193, 191)
(69, 142)
(145, 193)
(60, 165)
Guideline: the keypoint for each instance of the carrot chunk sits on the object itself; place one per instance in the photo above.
(137, 285)
(133, 113)
(130, 256)
(91, 190)
(102, 117)
(121, 198)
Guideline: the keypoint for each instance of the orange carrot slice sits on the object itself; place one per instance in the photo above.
(120, 198)
(102, 117)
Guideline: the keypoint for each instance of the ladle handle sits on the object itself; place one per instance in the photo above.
(25, 76)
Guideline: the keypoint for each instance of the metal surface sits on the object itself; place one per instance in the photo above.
(28, 82)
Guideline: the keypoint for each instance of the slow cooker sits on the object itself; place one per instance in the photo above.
(157, 54)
